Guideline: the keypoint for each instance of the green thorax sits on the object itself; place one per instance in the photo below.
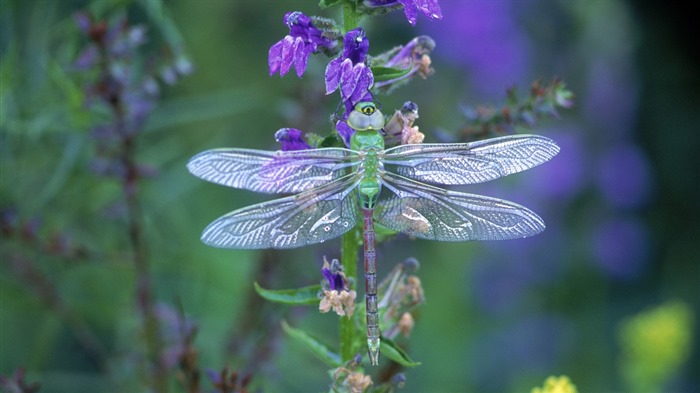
(371, 143)
(367, 121)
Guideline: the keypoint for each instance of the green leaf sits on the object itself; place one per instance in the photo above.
(394, 352)
(313, 344)
(328, 3)
(295, 297)
(332, 140)
(382, 74)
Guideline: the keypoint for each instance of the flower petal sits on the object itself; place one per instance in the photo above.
(287, 57)
(348, 79)
(274, 57)
(429, 8)
(333, 72)
(345, 131)
(364, 80)
(409, 8)
(301, 55)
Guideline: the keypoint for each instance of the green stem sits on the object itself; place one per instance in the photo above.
(349, 254)
(350, 17)
(351, 240)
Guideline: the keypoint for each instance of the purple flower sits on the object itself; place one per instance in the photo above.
(333, 273)
(291, 139)
(349, 72)
(415, 55)
(429, 8)
(295, 48)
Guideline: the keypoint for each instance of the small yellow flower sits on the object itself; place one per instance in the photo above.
(556, 385)
(406, 324)
(424, 69)
(655, 344)
(412, 135)
(358, 382)
(415, 289)
(342, 302)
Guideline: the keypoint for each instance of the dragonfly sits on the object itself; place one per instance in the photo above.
(335, 189)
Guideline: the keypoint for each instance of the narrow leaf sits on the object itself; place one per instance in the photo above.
(313, 344)
(394, 352)
(328, 3)
(382, 74)
(296, 297)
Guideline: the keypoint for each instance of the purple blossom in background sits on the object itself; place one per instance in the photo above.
(620, 247)
(483, 36)
(610, 100)
(623, 176)
(569, 176)
(349, 72)
(295, 48)
(429, 8)
(291, 139)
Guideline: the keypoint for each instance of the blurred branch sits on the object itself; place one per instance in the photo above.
(543, 100)
(128, 91)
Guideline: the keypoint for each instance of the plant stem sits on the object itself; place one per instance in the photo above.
(350, 240)
(350, 17)
(349, 254)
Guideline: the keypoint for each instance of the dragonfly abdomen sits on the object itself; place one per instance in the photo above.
(373, 332)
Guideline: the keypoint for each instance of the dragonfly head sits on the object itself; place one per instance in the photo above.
(366, 116)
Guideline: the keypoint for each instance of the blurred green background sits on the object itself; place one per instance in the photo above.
(607, 295)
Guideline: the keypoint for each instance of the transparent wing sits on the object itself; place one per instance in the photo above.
(272, 172)
(469, 163)
(311, 217)
(432, 213)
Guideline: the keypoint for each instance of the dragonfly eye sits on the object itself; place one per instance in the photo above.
(367, 108)
(366, 116)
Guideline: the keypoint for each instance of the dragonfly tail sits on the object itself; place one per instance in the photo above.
(373, 333)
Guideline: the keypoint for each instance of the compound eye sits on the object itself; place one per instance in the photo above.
(366, 108)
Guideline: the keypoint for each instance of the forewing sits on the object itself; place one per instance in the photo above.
(272, 172)
(311, 217)
(469, 163)
(432, 213)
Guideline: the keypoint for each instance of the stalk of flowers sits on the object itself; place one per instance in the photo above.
(542, 100)
(116, 84)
